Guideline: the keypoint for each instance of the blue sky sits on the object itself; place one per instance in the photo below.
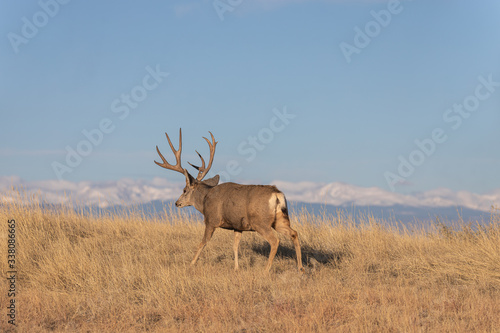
(352, 121)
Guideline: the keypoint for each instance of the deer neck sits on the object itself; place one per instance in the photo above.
(199, 196)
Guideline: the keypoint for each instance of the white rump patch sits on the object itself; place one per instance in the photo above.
(281, 205)
(272, 202)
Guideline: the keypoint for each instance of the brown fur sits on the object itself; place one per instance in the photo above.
(260, 208)
(241, 208)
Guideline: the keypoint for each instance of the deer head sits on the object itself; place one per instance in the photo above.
(191, 194)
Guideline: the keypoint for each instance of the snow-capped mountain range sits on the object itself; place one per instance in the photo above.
(136, 191)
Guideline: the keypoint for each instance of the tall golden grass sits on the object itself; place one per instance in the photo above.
(130, 273)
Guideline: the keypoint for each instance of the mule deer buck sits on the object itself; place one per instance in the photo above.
(260, 208)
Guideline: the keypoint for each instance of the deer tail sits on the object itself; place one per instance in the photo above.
(280, 204)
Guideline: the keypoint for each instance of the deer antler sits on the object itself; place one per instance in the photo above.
(202, 171)
(177, 154)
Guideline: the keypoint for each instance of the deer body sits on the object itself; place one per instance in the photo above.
(237, 207)
(242, 207)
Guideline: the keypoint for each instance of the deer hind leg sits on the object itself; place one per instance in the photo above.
(209, 231)
(237, 238)
(283, 227)
(271, 238)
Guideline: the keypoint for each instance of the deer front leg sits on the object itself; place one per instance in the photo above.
(209, 231)
(237, 238)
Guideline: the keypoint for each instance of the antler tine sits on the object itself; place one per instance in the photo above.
(202, 162)
(177, 167)
(202, 171)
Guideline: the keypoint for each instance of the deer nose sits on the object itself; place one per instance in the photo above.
(177, 204)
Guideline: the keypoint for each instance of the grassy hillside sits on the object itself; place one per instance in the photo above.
(129, 273)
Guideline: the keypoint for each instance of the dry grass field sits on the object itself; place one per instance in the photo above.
(131, 273)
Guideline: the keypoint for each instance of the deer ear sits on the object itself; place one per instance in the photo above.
(212, 181)
(189, 179)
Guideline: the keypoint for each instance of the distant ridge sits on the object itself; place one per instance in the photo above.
(406, 215)
(151, 195)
